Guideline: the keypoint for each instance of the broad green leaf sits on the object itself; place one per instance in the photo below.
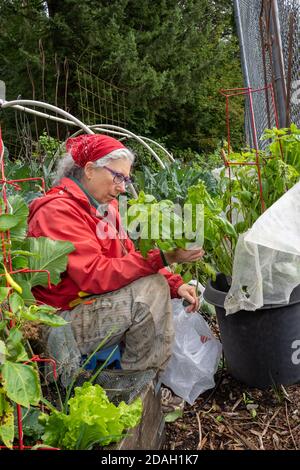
(15, 347)
(28, 315)
(4, 293)
(226, 227)
(26, 289)
(46, 318)
(145, 246)
(55, 427)
(20, 211)
(6, 421)
(22, 252)
(241, 227)
(187, 277)
(19, 207)
(52, 257)
(16, 302)
(208, 269)
(43, 308)
(209, 230)
(51, 319)
(30, 422)
(88, 436)
(165, 245)
(21, 383)
(173, 416)
(294, 128)
(20, 262)
(7, 221)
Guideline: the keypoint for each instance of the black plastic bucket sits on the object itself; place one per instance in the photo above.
(262, 347)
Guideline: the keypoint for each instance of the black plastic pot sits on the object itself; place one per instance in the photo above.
(261, 348)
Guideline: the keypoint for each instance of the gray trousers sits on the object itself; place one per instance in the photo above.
(139, 314)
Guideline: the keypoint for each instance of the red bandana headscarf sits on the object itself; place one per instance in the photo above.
(90, 147)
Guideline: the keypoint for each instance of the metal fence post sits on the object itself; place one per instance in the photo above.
(244, 63)
(278, 63)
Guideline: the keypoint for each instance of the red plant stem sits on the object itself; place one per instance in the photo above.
(228, 125)
(20, 427)
(37, 358)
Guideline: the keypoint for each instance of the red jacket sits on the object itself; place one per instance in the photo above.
(97, 265)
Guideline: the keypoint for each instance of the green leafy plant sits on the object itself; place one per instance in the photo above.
(86, 419)
(174, 181)
(218, 232)
(146, 212)
(39, 164)
(250, 404)
(219, 419)
(173, 416)
(92, 419)
(203, 162)
(241, 193)
(229, 209)
(285, 144)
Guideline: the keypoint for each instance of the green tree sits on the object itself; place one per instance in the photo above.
(171, 56)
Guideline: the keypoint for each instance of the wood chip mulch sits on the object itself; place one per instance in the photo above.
(236, 417)
(239, 418)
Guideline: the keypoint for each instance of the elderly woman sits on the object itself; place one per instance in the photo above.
(128, 294)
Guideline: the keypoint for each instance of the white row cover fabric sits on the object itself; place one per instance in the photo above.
(266, 265)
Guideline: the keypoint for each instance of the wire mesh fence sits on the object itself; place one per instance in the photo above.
(269, 34)
(100, 101)
(255, 76)
(289, 14)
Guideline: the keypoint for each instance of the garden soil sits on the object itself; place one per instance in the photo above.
(234, 417)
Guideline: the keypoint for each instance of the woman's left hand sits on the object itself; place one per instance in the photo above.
(189, 293)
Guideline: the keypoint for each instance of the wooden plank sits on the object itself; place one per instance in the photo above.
(149, 434)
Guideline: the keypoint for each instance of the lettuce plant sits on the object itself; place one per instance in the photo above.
(92, 419)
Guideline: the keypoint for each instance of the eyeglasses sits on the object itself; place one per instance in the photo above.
(118, 178)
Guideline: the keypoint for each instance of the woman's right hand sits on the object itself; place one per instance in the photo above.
(183, 256)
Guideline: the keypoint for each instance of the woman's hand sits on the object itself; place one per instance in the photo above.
(183, 256)
(189, 293)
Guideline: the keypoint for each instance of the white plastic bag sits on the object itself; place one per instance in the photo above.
(195, 358)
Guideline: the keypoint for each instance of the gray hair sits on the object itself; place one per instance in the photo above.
(66, 166)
